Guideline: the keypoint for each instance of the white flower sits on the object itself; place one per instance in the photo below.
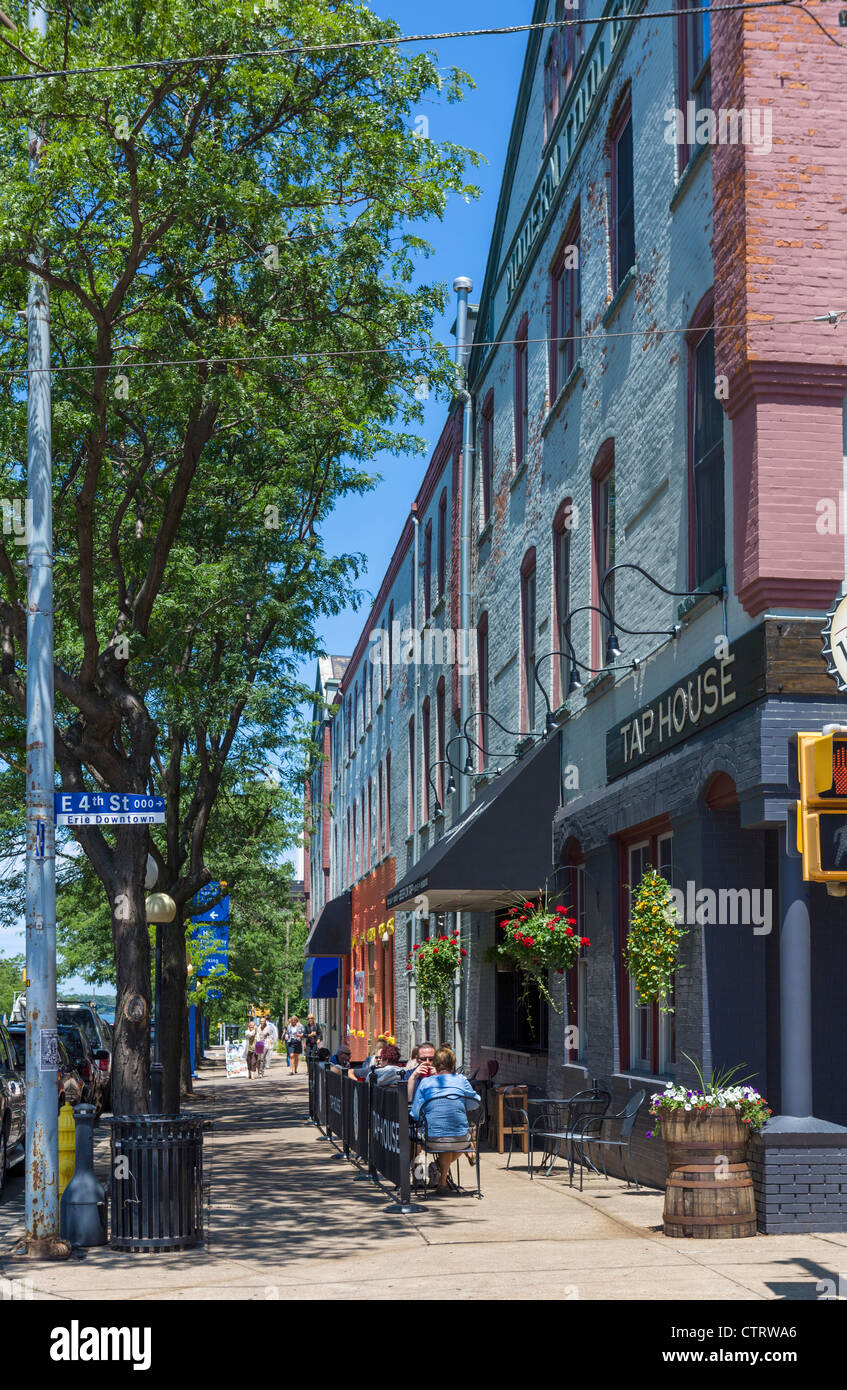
(686, 1106)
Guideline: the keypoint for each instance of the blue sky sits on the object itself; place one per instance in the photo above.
(372, 524)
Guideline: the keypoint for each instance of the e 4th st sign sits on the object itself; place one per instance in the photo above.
(107, 808)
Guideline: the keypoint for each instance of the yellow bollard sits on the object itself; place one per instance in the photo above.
(67, 1143)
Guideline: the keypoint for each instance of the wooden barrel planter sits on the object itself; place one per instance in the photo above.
(709, 1192)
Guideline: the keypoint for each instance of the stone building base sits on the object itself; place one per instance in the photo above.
(800, 1180)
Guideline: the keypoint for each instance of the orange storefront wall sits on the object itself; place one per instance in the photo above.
(371, 962)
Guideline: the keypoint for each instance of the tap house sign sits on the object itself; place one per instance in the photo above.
(716, 689)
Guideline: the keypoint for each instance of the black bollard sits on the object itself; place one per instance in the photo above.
(84, 1199)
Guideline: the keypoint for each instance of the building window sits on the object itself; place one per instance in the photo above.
(380, 812)
(552, 87)
(521, 393)
(695, 82)
(561, 668)
(487, 455)
(571, 45)
(439, 736)
(369, 859)
(603, 545)
(623, 206)
(482, 693)
(355, 843)
(442, 544)
(521, 1017)
(427, 576)
(528, 630)
(427, 760)
(365, 846)
(412, 775)
(648, 1036)
(706, 480)
(388, 803)
(565, 309)
(576, 979)
(391, 639)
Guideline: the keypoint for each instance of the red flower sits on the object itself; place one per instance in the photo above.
(583, 941)
(552, 927)
(426, 938)
(522, 919)
(530, 940)
(417, 948)
(560, 972)
(568, 931)
(561, 910)
(527, 907)
(442, 938)
(435, 950)
(572, 921)
(464, 952)
(512, 911)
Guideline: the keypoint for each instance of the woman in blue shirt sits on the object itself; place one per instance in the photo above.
(443, 1101)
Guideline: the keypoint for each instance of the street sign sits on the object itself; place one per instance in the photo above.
(220, 911)
(107, 808)
(834, 633)
(214, 993)
(217, 961)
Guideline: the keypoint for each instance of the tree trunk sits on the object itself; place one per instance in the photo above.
(173, 1011)
(131, 1046)
(185, 1058)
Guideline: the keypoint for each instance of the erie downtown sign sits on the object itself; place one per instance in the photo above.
(107, 808)
(578, 109)
(716, 689)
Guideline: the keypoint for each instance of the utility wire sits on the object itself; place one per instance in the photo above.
(832, 317)
(263, 54)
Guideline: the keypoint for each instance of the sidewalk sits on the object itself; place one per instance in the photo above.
(290, 1218)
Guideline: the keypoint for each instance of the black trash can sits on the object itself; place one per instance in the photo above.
(156, 1185)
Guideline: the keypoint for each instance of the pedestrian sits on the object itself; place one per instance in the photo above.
(250, 1047)
(264, 1043)
(444, 1100)
(294, 1040)
(313, 1036)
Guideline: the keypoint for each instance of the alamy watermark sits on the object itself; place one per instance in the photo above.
(751, 125)
(436, 646)
(16, 519)
(725, 907)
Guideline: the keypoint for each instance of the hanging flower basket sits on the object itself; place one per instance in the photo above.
(651, 954)
(433, 964)
(538, 939)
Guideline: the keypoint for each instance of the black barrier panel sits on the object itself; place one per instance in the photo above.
(354, 1103)
(311, 1064)
(389, 1135)
(320, 1095)
(334, 1118)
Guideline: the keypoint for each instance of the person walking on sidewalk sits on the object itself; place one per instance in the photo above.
(313, 1036)
(264, 1043)
(294, 1041)
(250, 1047)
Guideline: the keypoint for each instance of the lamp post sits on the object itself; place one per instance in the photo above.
(159, 908)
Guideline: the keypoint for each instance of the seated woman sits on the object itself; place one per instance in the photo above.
(444, 1100)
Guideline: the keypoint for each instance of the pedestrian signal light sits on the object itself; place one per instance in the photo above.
(822, 808)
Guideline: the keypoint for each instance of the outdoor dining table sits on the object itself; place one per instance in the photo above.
(573, 1144)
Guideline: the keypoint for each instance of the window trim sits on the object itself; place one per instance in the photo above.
(428, 570)
(442, 544)
(604, 465)
(529, 570)
(569, 351)
(426, 791)
(561, 667)
(487, 454)
(616, 129)
(702, 320)
(521, 393)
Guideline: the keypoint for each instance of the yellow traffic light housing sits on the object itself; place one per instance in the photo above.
(822, 808)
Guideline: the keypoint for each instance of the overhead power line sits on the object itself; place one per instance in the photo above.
(832, 317)
(342, 45)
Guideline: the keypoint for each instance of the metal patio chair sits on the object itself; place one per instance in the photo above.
(419, 1136)
(592, 1134)
(562, 1121)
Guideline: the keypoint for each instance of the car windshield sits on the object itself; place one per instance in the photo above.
(83, 1018)
(73, 1042)
(19, 1044)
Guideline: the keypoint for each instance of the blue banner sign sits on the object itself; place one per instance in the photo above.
(107, 808)
(217, 961)
(220, 911)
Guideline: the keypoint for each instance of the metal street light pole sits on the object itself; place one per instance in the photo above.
(42, 1133)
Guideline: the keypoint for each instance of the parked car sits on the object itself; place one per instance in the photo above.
(69, 1081)
(12, 1108)
(99, 1035)
(84, 1059)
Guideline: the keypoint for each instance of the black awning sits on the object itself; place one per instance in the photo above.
(330, 936)
(501, 847)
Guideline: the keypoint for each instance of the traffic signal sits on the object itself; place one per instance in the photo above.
(822, 808)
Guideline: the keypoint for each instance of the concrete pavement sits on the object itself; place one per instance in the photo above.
(290, 1218)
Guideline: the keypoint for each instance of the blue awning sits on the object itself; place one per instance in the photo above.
(321, 977)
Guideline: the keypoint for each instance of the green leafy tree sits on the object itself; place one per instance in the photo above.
(234, 219)
(11, 981)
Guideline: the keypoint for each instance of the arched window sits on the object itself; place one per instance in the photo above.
(602, 548)
(706, 505)
(560, 667)
(529, 630)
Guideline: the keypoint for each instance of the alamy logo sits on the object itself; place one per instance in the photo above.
(77, 1343)
(746, 907)
(16, 519)
(728, 126)
(439, 646)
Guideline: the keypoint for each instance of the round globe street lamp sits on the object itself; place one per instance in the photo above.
(159, 908)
